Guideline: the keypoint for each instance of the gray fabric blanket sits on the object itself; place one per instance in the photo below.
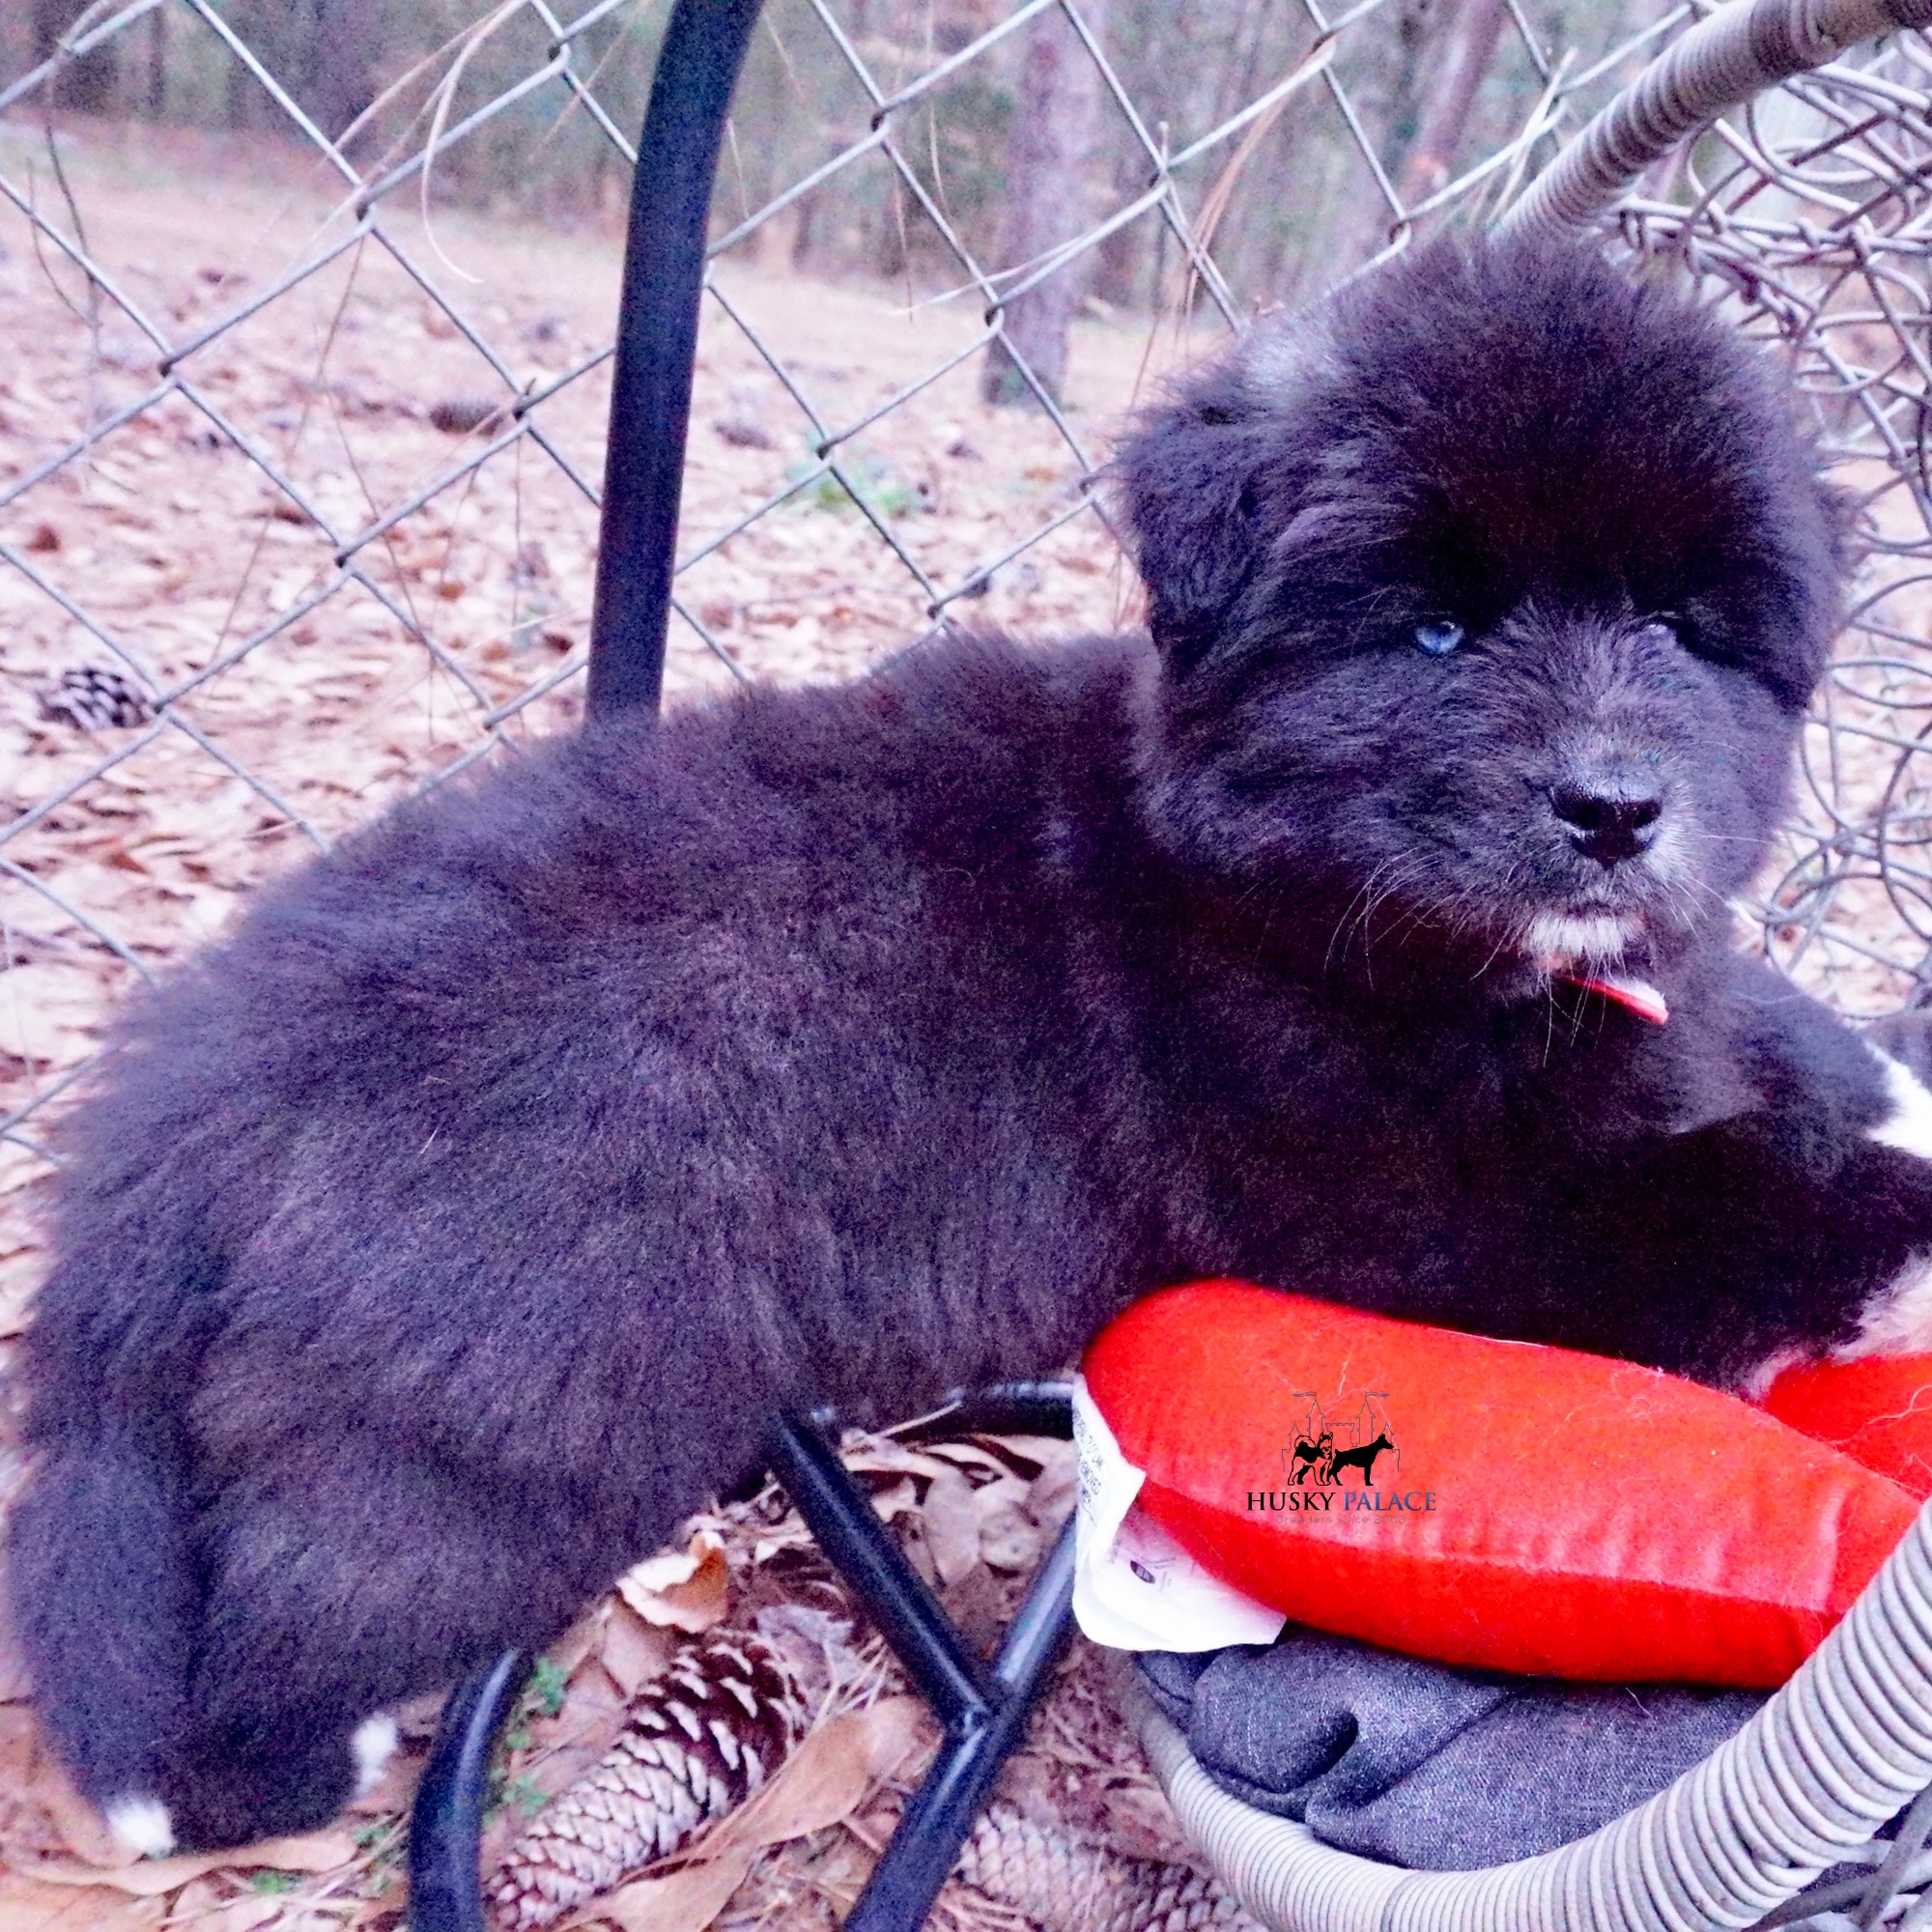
(1420, 1765)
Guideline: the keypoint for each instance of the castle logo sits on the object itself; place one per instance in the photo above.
(1332, 1464)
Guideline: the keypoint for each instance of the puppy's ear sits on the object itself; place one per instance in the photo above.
(1199, 480)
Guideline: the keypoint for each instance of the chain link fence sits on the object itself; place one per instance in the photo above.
(1808, 218)
(301, 431)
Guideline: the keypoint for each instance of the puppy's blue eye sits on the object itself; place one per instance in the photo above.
(1438, 639)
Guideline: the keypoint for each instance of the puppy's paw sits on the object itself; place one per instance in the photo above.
(142, 1825)
(371, 1749)
(1907, 1039)
(1909, 1125)
(1897, 1320)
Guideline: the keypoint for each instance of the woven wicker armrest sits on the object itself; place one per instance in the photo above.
(1802, 1787)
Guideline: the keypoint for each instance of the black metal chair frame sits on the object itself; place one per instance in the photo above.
(982, 1708)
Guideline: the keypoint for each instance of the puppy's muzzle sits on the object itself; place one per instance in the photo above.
(1608, 822)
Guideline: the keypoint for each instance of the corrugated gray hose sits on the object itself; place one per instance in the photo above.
(1724, 61)
(1841, 1748)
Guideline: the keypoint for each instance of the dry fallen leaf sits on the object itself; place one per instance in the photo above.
(154, 1878)
(880, 1455)
(28, 1906)
(20, 1278)
(1050, 1499)
(951, 1525)
(634, 1651)
(233, 1915)
(580, 1641)
(17, 1748)
(970, 1456)
(15, 1685)
(48, 1017)
(687, 1589)
(78, 1824)
(1009, 1539)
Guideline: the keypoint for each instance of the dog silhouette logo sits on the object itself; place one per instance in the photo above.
(1345, 1461)
(1352, 1431)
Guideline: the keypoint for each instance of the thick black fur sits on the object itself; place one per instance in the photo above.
(439, 1242)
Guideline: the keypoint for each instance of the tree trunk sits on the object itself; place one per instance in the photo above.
(1120, 263)
(87, 84)
(238, 93)
(1389, 103)
(341, 75)
(1047, 191)
(1467, 49)
(157, 63)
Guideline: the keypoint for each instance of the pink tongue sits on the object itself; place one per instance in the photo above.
(1639, 995)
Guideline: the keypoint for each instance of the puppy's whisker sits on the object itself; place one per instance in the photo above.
(1363, 899)
(1382, 884)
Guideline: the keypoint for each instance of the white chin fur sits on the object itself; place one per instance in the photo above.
(1558, 941)
(372, 1746)
(142, 1825)
(1757, 1385)
(1898, 1319)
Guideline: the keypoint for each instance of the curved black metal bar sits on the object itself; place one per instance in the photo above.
(985, 1712)
(941, 1812)
(1000, 1408)
(643, 471)
(657, 342)
(447, 1823)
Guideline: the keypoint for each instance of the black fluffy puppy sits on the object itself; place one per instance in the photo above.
(434, 1245)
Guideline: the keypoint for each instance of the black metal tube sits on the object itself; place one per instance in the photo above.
(841, 1519)
(1002, 1408)
(926, 1846)
(447, 1823)
(650, 414)
(657, 342)
(1039, 1632)
(985, 1712)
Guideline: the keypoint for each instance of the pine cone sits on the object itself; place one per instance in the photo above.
(699, 1741)
(1070, 1885)
(95, 698)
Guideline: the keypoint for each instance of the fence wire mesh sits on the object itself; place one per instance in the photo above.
(301, 431)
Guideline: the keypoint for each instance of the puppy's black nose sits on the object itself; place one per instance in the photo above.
(1609, 824)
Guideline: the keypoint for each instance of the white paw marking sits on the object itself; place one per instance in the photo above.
(372, 1746)
(1559, 941)
(1898, 1319)
(1909, 1125)
(142, 1825)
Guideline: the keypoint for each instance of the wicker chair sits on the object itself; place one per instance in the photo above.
(1839, 205)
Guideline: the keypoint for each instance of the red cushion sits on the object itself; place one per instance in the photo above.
(1537, 1510)
(1878, 1411)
